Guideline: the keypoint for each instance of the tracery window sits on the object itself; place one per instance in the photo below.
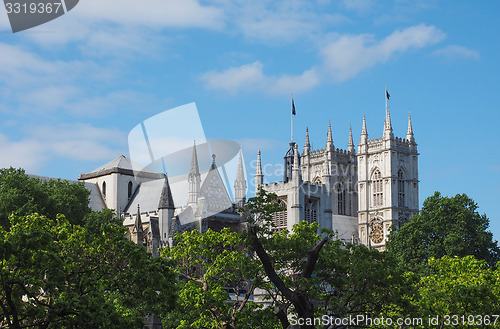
(130, 185)
(311, 211)
(341, 193)
(280, 217)
(378, 194)
(401, 188)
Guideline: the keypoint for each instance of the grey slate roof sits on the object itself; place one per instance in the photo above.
(122, 165)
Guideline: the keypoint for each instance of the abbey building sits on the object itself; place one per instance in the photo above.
(359, 194)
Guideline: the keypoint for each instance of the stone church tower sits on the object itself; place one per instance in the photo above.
(359, 195)
(387, 183)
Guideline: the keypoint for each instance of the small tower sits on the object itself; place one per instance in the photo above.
(259, 178)
(194, 179)
(240, 184)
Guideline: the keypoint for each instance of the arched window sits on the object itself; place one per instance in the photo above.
(341, 193)
(311, 210)
(401, 188)
(104, 189)
(280, 217)
(378, 194)
(130, 185)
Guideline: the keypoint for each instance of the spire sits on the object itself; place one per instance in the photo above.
(240, 184)
(194, 178)
(364, 132)
(350, 146)
(259, 178)
(329, 139)
(195, 170)
(259, 164)
(307, 144)
(409, 133)
(137, 238)
(388, 126)
(166, 200)
(138, 221)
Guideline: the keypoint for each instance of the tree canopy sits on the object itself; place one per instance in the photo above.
(25, 195)
(446, 226)
(57, 275)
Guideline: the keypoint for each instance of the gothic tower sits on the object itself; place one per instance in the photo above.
(387, 183)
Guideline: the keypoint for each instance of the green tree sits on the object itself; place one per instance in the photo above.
(462, 291)
(445, 226)
(218, 276)
(26, 195)
(57, 275)
(314, 274)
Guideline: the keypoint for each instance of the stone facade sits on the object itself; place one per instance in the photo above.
(359, 195)
(145, 200)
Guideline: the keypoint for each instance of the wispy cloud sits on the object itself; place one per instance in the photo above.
(65, 141)
(351, 54)
(250, 77)
(457, 52)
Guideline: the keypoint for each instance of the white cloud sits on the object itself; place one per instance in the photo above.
(25, 154)
(251, 77)
(350, 55)
(278, 22)
(153, 13)
(70, 141)
(454, 51)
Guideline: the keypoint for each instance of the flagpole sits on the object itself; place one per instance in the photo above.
(386, 101)
(291, 115)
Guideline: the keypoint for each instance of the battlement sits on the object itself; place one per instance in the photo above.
(396, 143)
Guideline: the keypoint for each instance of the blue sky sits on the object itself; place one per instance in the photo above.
(72, 89)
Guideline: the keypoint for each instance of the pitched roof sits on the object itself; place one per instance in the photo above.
(122, 165)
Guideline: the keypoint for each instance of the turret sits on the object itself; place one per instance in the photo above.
(409, 133)
(350, 146)
(296, 174)
(288, 162)
(138, 232)
(259, 178)
(388, 134)
(240, 184)
(307, 144)
(364, 132)
(329, 139)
